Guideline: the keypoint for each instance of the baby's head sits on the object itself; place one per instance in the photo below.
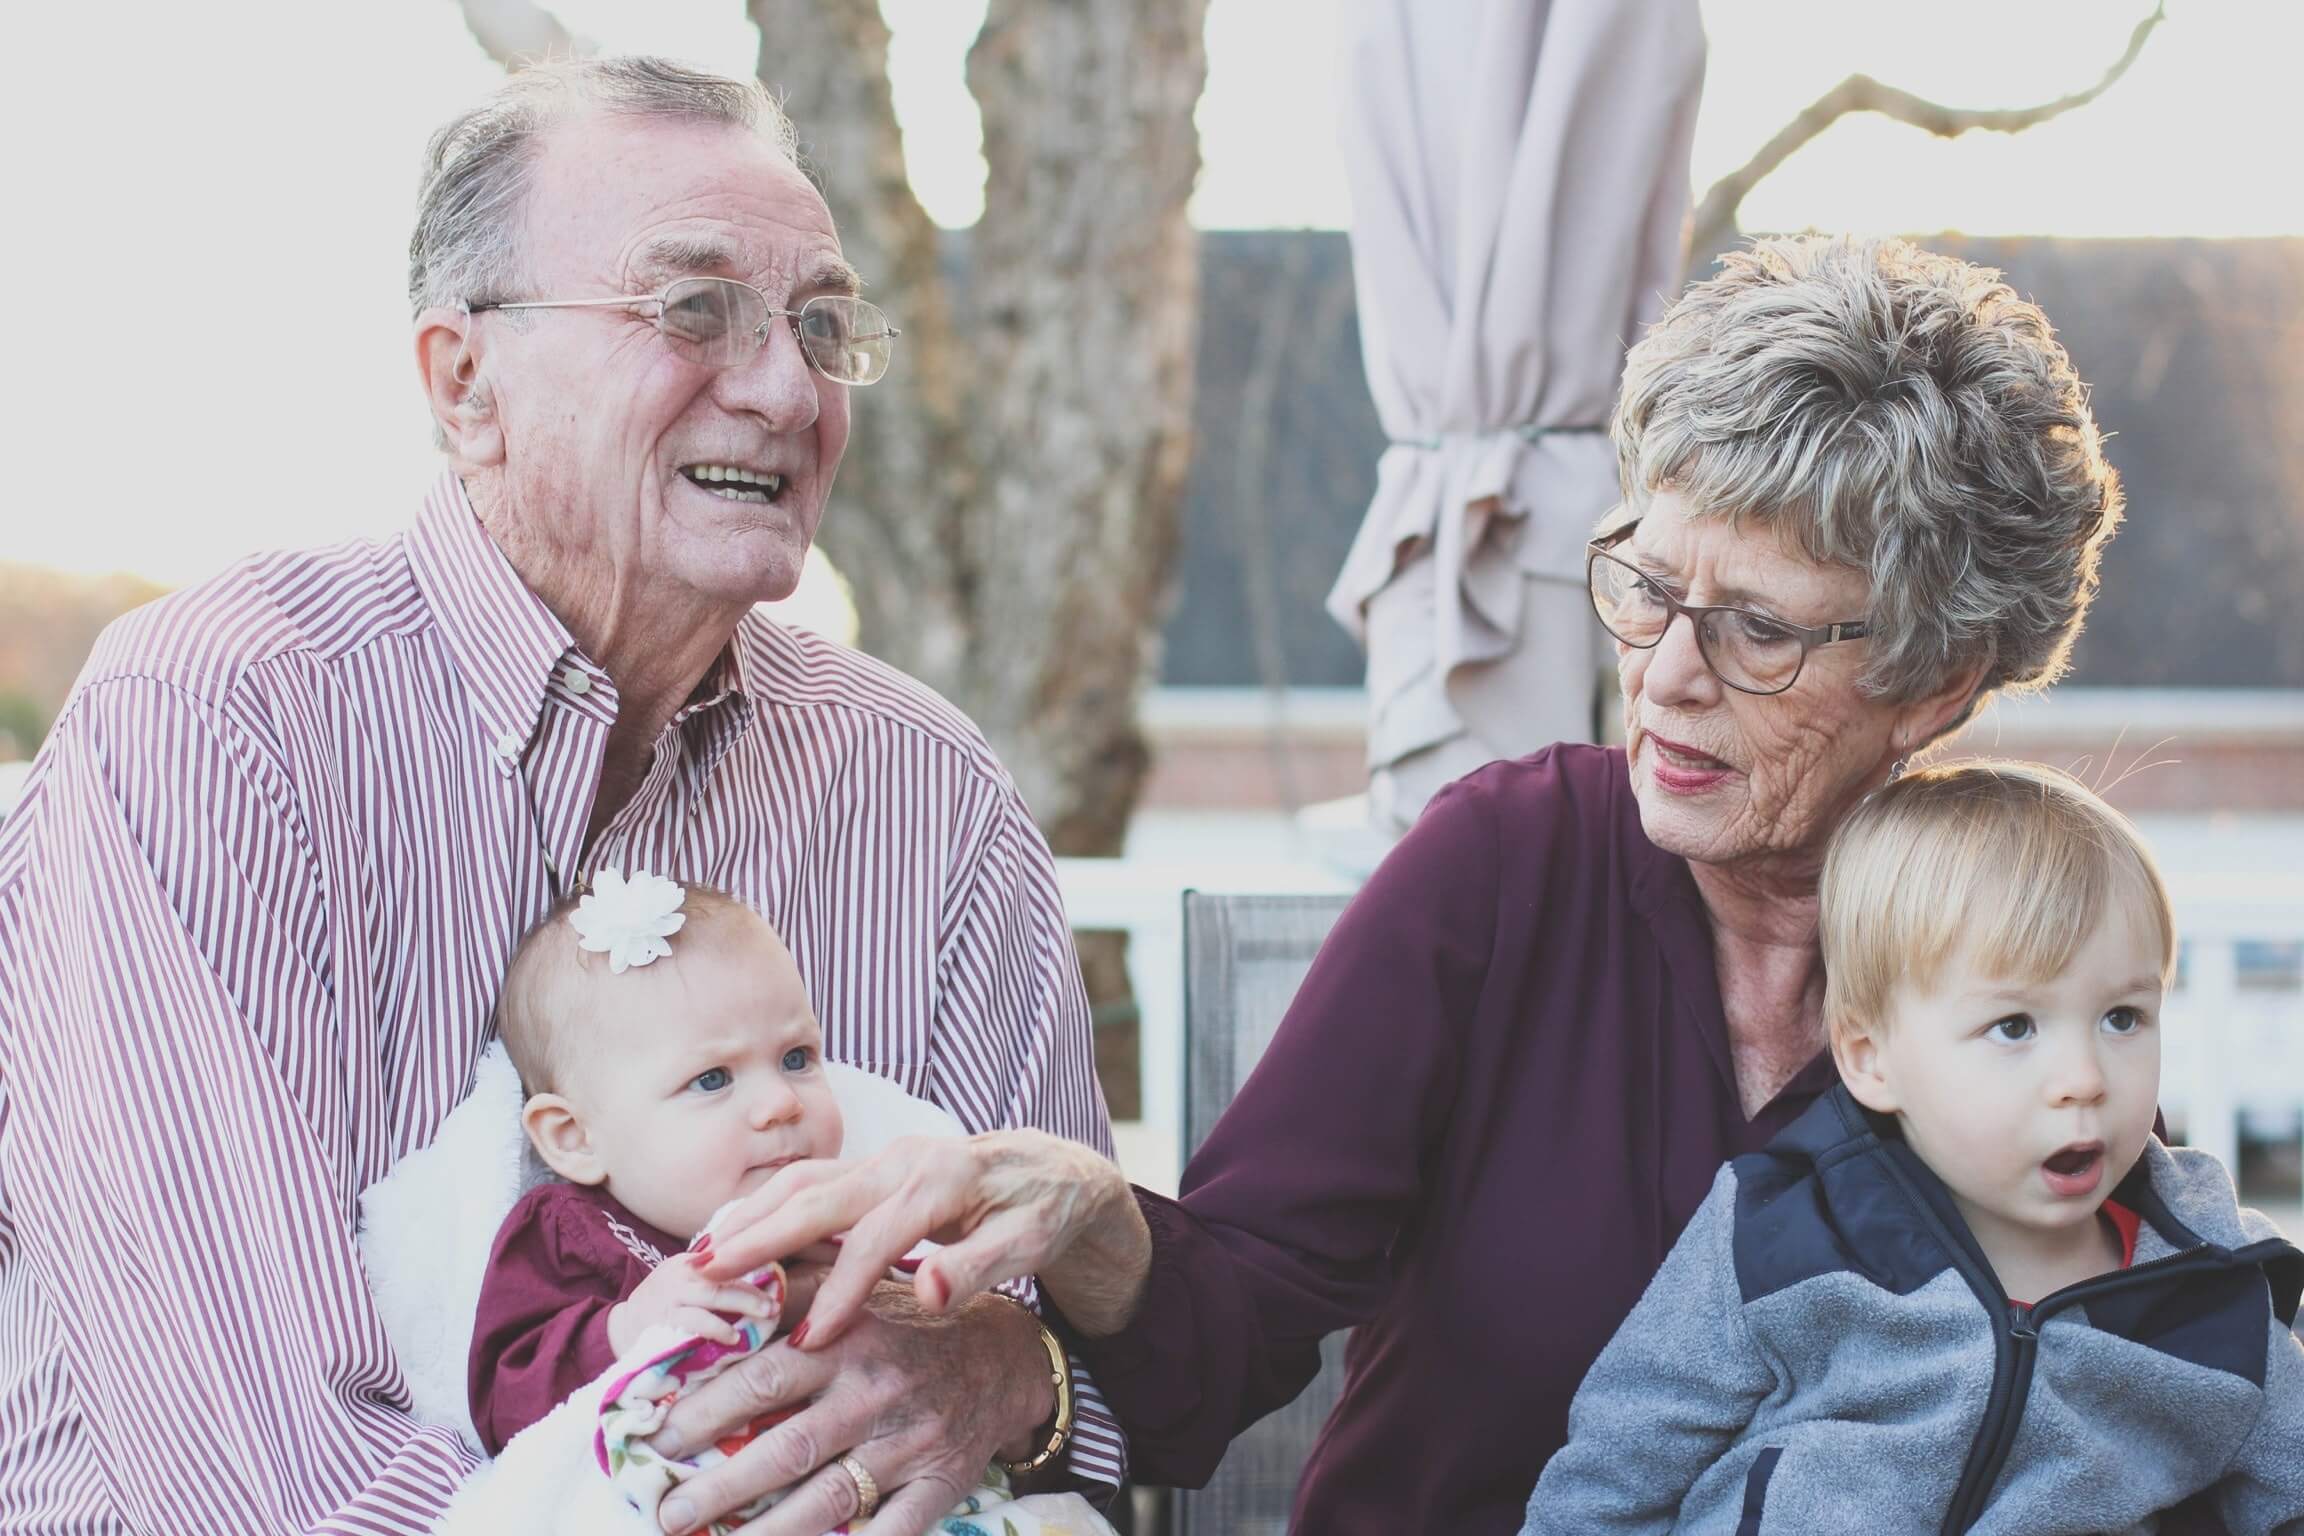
(679, 1083)
(1996, 943)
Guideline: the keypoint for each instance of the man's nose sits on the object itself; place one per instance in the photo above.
(776, 383)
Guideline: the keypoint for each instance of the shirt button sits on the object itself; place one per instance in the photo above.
(577, 679)
(508, 745)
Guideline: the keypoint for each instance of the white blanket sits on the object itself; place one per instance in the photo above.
(425, 1232)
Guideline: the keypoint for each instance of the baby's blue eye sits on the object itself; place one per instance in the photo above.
(798, 1058)
(2014, 1029)
(712, 1081)
(2124, 1021)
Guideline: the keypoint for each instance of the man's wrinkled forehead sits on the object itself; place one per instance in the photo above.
(667, 257)
(631, 197)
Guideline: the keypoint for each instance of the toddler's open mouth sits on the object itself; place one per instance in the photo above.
(2075, 1170)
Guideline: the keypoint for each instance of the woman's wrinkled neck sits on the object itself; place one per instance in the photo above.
(1766, 902)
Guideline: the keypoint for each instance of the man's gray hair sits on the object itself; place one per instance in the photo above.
(477, 167)
(1898, 412)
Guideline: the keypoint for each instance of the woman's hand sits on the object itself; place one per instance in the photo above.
(922, 1402)
(1005, 1204)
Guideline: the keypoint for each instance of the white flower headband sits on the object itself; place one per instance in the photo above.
(631, 921)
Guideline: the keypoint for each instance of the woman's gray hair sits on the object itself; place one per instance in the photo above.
(476, 169)
(1899, 412)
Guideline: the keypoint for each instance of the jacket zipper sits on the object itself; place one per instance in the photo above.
(2019, 1328)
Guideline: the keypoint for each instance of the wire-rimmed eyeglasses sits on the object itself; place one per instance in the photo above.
(1751, 652)
(722, 323)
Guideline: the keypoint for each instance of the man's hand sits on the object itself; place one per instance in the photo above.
(677, 1295)
(923, 1402)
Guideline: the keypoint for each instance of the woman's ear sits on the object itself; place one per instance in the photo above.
(447, 357)
(1856, 1052)
(1921, 721)
(558, 1134)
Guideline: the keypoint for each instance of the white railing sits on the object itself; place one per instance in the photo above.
(2229, 1051)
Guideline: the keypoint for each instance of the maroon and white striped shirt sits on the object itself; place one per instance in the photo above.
(255, 904)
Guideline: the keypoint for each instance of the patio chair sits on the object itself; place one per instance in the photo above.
(1244, 957)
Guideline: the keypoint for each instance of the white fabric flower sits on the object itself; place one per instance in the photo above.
(629, 920)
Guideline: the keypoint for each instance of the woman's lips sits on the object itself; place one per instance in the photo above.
(1682, 768)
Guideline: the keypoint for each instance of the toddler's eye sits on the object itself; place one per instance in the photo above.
(2014, 1029)
(2124, 1021)
(712, 1081)
(798, 1059)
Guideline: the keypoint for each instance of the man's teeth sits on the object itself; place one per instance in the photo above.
(732, 483)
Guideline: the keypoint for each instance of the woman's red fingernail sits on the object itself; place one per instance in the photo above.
(800, 1335)
(703, 1244)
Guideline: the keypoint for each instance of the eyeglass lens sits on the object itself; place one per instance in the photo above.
(1747, 649)
(722, 324)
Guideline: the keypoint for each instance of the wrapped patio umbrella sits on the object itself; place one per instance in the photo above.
(1519, 179)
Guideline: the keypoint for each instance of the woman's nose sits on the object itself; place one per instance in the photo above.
(1675, 670)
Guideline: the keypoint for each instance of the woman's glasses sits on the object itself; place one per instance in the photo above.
(1748, 651)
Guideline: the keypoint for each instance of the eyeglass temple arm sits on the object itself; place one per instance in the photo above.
(630, 299)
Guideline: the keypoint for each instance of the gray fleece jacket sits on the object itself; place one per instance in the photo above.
(1826, 1350)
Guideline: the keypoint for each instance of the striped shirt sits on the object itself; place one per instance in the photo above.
(255, 904)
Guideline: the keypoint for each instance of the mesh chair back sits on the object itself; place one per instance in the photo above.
(1244, 957)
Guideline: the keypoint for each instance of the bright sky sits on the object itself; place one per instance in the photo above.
(210, 341)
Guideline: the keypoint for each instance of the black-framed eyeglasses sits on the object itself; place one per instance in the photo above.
(1751, 652)
(722, 323)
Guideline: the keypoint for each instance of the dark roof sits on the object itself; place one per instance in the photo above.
(2194, 350)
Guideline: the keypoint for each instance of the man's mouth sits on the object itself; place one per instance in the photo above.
(732, 482)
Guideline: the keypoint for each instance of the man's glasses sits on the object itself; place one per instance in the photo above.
(1748, 651)
(722, 323)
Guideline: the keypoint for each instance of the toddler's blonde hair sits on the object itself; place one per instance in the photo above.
(2011, 863)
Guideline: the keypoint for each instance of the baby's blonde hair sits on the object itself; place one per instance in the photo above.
(542, 995)
(2013, 862)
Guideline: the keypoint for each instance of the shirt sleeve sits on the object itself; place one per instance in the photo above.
(1015, 1047)
(542, 1330)
(175, 1154)
(1673, 1390)
(1290, 1210)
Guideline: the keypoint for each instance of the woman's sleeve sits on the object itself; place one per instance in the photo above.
(1673, 1390)
(1289, 1210)
(542, 1329)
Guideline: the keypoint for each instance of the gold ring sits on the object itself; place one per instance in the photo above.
(867, 1491)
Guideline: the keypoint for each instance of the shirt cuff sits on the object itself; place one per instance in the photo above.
(1098, 1449)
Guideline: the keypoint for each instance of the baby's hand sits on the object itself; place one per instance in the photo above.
(677, 1296)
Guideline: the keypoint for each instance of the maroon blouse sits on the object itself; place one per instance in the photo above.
(1502, 1091)
(566, 1255)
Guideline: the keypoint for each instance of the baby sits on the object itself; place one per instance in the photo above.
(657, 1100)
(1968, 1289)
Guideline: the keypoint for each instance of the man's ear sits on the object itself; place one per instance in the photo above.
(1856, 1052)
(560, 1139)
(448, 357)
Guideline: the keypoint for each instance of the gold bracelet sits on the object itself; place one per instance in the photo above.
(1060, 1377)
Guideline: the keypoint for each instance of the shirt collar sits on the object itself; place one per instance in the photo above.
(502, 638)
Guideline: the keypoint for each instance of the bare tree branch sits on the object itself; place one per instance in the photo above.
(516, 33)
(1715, 220)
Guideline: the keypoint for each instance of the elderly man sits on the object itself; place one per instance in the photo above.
(267, 875)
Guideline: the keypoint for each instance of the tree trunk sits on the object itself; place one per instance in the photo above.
(1008, 509)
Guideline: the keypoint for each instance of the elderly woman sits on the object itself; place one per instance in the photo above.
(1867, 479)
